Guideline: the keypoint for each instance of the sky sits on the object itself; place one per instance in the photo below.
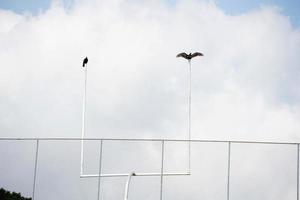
(245, 87)
(233, 7)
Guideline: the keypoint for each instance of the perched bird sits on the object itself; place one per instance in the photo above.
(85, 61)
(189, 56)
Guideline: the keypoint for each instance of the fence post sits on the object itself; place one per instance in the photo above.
(35, 168)
(228, 169)
(297, 171)
(100, 169)
(162, 167)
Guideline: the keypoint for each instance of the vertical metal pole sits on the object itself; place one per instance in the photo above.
(297, 171)
(228, 168)
(83, 120)
(189, 114)
(162, 168)
(35, 168)
(100, 169)
(127, 185)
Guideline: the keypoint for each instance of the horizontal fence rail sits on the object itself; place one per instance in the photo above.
(153, 140)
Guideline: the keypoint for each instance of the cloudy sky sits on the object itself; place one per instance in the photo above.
(244, 88)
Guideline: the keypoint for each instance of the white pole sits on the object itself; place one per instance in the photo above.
(127, 185)
(83, 119)
(228, 169)
(35, 168)
(189, 114)
(162, 169)
(297, 171)
(100, 169)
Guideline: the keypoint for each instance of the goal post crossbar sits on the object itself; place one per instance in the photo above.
(136, 174)
(161, 173)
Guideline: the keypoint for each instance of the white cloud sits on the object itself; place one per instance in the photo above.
(244, 88)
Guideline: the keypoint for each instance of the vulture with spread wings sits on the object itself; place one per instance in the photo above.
(190, 55)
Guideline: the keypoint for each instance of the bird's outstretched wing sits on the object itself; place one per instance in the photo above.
(85, 61)
(196, 54)
(184, 55)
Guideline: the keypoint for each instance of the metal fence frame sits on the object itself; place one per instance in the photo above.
(161, 174)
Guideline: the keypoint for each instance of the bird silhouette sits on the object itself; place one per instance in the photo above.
(189, 56)
(85, 61)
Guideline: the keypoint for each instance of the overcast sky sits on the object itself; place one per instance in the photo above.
(244, 88)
